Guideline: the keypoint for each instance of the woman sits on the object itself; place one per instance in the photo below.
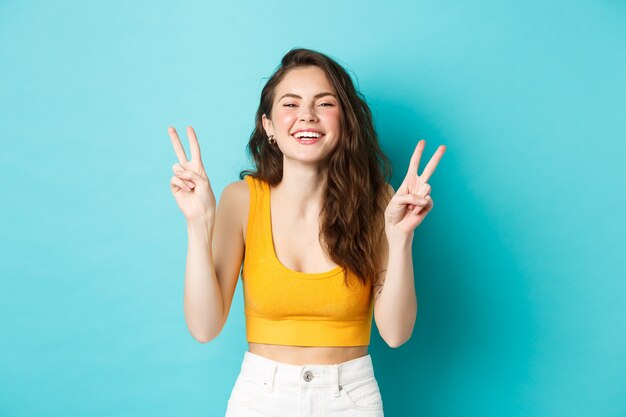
(325, 244)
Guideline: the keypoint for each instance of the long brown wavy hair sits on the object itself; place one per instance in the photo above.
(354, 199)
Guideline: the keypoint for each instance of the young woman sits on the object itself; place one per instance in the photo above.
(324, 240)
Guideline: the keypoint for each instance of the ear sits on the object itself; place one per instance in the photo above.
(267, 125)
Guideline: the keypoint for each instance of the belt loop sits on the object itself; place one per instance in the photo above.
(334, 378)
(272, 375)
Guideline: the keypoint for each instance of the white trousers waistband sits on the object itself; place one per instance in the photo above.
(274, 372)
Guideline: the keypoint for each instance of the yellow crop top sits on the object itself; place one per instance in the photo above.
(287, 307)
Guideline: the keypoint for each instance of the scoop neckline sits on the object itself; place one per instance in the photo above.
(312, 275)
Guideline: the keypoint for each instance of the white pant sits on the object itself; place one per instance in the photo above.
(265, 387)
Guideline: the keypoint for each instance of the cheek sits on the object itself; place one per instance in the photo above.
(284, 119)
(332, 119)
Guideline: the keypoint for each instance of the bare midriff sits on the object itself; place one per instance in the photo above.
(308, 355)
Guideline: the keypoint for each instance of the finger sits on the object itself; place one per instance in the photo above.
(188, 174)
(178, 147)
(403, 188)
(424, 190)
(407, 184)
(432, 164)
(411, 200)
(429, 203)
(193, 145)
(424, 206)
(415, 158)
(178, 184)
(178, 169)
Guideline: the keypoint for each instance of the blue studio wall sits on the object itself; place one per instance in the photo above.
(520, 284)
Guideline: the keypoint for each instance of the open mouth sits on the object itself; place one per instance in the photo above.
(306, 140)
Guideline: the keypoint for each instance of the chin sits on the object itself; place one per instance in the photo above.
(307, 157)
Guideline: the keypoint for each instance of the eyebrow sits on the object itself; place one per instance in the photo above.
(325, 93)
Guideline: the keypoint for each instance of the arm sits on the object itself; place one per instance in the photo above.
(395, 308)
(214, 256)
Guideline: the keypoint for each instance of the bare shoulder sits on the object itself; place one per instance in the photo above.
(236, 197)
(237, 189)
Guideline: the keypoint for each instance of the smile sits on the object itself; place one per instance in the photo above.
(307, 140)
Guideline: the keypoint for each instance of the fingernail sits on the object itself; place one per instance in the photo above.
(422, 201)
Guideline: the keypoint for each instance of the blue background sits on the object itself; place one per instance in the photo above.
(519, 279)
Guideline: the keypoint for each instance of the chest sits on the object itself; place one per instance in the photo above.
(297, 245)
(296, 241)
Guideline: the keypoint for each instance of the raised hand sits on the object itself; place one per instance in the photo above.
(190, 184)
(412, 202)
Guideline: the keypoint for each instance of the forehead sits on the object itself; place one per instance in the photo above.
(304, 81)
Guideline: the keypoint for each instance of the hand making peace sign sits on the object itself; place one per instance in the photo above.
(412, 202)
(190, 184)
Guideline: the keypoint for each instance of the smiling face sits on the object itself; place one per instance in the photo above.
(305, 100)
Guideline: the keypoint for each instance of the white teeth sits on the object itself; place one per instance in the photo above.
(307, 135)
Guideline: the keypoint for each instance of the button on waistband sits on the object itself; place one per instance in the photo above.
(308, 376)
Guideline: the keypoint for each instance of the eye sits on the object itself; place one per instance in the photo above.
(329, 104)
(288, 105)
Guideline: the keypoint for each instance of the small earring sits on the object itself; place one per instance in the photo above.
(271, 140)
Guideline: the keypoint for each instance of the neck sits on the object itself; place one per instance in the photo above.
(303, 186)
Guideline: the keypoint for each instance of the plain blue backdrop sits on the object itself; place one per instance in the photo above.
(520, 282)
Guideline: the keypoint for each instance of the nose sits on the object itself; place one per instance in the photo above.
(306, 114)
